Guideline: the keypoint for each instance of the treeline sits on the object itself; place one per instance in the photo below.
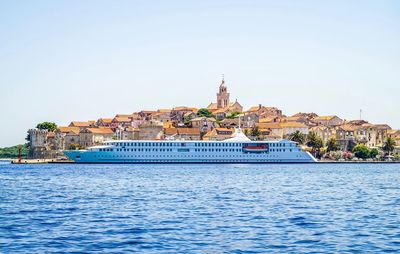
(12, 152)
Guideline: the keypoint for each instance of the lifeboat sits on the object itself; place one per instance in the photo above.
(255, 148)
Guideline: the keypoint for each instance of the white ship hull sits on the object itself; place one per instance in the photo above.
(142, 152)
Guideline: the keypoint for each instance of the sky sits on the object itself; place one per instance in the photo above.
(82, 60)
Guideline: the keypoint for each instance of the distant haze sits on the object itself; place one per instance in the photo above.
(82, 60)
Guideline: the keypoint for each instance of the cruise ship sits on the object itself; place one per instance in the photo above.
(237, 149)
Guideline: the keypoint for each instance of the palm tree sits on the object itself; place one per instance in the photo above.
(388, 145)
(332, 145)
(255, 132)
(298, 137)
(315, 142)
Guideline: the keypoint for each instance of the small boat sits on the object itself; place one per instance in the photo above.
(255, 148)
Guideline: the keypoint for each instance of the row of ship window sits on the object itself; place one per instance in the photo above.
(185, 156)
(200, 144)
(186, 150)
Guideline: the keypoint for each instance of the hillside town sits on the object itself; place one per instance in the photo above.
(217, 121)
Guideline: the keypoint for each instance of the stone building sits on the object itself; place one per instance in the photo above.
(130, 133)
(151, 131)
(203, 124)
(39, 147)
(65, 137)
(223, 101)
(82, 125)
(182, 133)
(324, 132)
(330, 121)
(219, 134)
(95, 136)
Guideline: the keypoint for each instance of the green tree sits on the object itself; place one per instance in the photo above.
(75, 147)
(373, 153)
(298, 137)
(361, 151)
(47, 126)
(204, 112)
(232, 115)
(315, 142)
(389, 145)
(12, 152)
(332, 145)
(255, 132)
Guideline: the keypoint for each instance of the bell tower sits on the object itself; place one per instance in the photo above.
(222, 95)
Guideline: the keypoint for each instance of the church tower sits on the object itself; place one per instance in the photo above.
(222, 95)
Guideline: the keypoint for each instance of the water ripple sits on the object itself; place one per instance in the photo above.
(200, 208)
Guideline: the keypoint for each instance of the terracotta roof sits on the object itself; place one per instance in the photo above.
(100, 130)
(293, 125)
(164, 110)
(221, 110)
(254, 108)
(393, 132)
(184, 108)
(121, 119)
(269, 125)
(319, 127)
(106, 120)
(212, 105)
(180, 131)
(80, 124)
(308, 115)
(123, 115)
(267, 119)
(214, 133)
(383, 126)
(74, 130)
(292, 118)
(348, 127)
(323, 118)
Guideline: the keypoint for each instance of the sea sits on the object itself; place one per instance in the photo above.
(205, 208)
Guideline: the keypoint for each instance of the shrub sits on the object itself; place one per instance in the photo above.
(361, 151)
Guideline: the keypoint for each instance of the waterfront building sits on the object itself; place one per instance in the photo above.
(162, 115)
(203, 124)
(66, 136)
(182, 133)
(219, 134)
(104, 122)
(292, 127)
(230, 122)
(395, 135)
(270, 119)
(39, 146)
(151, 131)
(263, 111)
(275, 128)
(121, 121)
(129, 133)
(330, 121)
(178, 114)
(95, 136)
(82, 125)
(324, 132)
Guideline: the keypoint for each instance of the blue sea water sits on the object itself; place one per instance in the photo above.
(279, 208)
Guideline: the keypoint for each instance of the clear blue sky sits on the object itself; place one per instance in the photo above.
(81, 60)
